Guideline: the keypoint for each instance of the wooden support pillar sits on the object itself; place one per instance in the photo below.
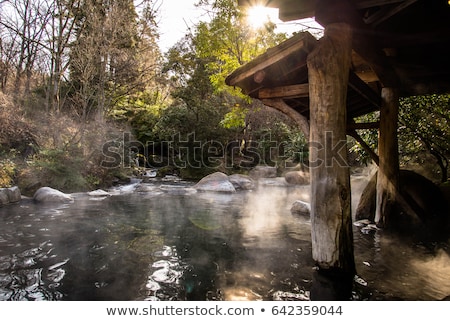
(331, 230)
(388, 171)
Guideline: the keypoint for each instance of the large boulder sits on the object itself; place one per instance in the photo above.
(10, 195)
(297, 178)
(429, 203)
(263, 172)
(50, 195)
(216, 182)
(241, 182)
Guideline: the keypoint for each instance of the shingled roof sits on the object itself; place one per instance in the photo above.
(404, 44)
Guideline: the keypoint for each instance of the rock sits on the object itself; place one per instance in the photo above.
(430, 204)
(4, 198)
(146, 188)
(177, 190)
(263, 172)
(241, 182)
(99, 193)
(216, 182)
(50, 195)
(297, 178)
(10, 195)
(14, 194)
(301, 208)
(273, 182)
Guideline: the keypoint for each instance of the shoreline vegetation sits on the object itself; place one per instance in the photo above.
(89, 73)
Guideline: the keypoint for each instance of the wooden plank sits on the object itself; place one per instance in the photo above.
(300, 9)
(303, 42)
(293, 91)
(364, 90)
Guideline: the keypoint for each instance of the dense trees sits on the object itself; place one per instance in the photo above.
(423, 135)
(81, 72)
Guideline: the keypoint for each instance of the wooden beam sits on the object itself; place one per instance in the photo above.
(293, 91)
(386, 13)
(300, 9)
(354, 126)
(364, 145)
(332, 11)
(280, 105)
(364, 90)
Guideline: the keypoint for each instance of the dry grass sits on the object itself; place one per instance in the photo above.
(45, 149)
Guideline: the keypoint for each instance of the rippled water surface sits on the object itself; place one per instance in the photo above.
(170, 244)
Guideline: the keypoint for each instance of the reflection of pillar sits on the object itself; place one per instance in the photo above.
(388, 172)
(332, 236)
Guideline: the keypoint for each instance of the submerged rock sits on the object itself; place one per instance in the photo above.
(241, 182)
(177, 190)
(216, 182)
(50, 195)
(301, 208)
(99, 193)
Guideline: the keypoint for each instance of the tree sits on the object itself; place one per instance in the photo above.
(26, 22)
(59, 33)
(198, 65)
(228, 41)
(104, 56)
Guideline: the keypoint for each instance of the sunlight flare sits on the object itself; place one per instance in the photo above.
(257, 16)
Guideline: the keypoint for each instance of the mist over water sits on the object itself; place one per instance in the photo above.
(159, 245)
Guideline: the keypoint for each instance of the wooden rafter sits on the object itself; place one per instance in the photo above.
(386, 13)
(331, 11)
(293, 91)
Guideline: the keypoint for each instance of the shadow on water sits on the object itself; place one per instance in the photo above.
(154, 245)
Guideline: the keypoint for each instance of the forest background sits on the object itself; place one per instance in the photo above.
(88, 99)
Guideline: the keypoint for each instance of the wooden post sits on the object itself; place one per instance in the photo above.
(332, 235)
(388, 171)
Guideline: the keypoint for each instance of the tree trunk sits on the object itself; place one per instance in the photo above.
(389, 171)
(332, 236)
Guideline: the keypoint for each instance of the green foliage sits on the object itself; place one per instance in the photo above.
(425, 127)
(62, 169)
(235, 118)
(7, 173)
(228, 41)
(141, 111)
(296, 147)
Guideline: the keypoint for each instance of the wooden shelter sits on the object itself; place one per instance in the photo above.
(372, 53)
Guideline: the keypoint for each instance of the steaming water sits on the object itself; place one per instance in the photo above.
(205, 246)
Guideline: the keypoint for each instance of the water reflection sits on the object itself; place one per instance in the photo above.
(143, 243)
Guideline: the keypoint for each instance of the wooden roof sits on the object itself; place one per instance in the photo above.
(405, 44)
